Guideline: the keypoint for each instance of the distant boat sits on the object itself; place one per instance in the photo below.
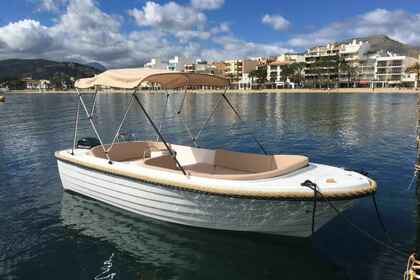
(3, 89)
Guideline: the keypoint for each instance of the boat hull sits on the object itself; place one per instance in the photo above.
(198, 209)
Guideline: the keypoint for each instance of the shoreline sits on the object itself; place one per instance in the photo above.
(242, 91)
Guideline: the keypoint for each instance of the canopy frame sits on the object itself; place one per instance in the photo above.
(134, 98)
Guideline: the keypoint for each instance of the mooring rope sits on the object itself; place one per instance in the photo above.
(412, 180)
(314, 187)
(379, 216)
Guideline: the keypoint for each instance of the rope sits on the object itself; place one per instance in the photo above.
(412, 179)
(379, 216)
(309, 184)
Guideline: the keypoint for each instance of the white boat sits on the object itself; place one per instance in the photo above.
(218, 189)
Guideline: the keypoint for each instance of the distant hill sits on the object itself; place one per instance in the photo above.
(383, 42)
(14, 69)
(97, 65)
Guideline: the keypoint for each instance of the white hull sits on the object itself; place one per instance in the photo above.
(198, 209)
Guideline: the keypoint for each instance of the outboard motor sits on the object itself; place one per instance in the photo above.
(88, 143)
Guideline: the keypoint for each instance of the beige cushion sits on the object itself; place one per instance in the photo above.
(126, 151)
(244, 161)
(227, 164)
(166, 162)
(289, 163)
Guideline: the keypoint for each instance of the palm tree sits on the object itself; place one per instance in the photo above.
(298, 68)
(348, 69)
(260, 75)
(320, 68)
(287, 71)
(415, 68)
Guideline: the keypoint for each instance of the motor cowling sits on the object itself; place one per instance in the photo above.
(88, 143)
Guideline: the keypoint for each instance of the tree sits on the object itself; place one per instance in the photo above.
(319, 69)
(260, 75)
(415, 68)
(287, 71)
(298, 68)
(348, 69)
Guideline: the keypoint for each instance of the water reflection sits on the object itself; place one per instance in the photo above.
(51, 238)
(188, 252)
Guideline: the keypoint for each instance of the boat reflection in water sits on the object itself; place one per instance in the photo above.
(186, 252)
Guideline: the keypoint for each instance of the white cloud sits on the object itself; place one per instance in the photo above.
(398, 24)
(82, 32)
(233, 47)
(89, 32)
(170, 16)
(207, 4)
(223, 27)
(51, 5)
(24, 36)
(276, 21)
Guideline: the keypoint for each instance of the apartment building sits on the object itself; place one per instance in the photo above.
(274, 68)
(218, 67)
(200, 66)
(390, 70)
(36, 84)
(323, 62)
(178, 63)
(291, 57)
(236, 67)
(259, 63)
(359, 65)
(155, 63)
(274, 73)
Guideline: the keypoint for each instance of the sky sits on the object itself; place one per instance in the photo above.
(127, 33)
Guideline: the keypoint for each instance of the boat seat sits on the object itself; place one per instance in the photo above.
(127, 151)
(205, 168)
(256, 166)
(236, 166)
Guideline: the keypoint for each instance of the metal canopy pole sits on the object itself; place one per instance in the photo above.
(76, 125)
(240, 119)
(121, 124)
(92, 123)
(94, 102)
(173, 155)
(164, 113)
(179, 113)
(208, 118)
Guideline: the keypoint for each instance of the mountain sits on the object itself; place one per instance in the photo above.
(383, 42)
(97, 65)
(15, 69)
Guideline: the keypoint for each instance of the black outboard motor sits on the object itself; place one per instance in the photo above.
(88, 143)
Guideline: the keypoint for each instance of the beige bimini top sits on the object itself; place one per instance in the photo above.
(132, 78)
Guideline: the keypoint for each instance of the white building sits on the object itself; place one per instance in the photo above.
(274, 73)
(37, 84)
(355, 55)
(235, 68)
(246, 82)
(178, 63)
(354, 51)
(200, 66)
(155, 63)
(390, 70)
(291, 57)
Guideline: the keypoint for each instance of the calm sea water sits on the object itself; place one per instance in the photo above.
(48, 234)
